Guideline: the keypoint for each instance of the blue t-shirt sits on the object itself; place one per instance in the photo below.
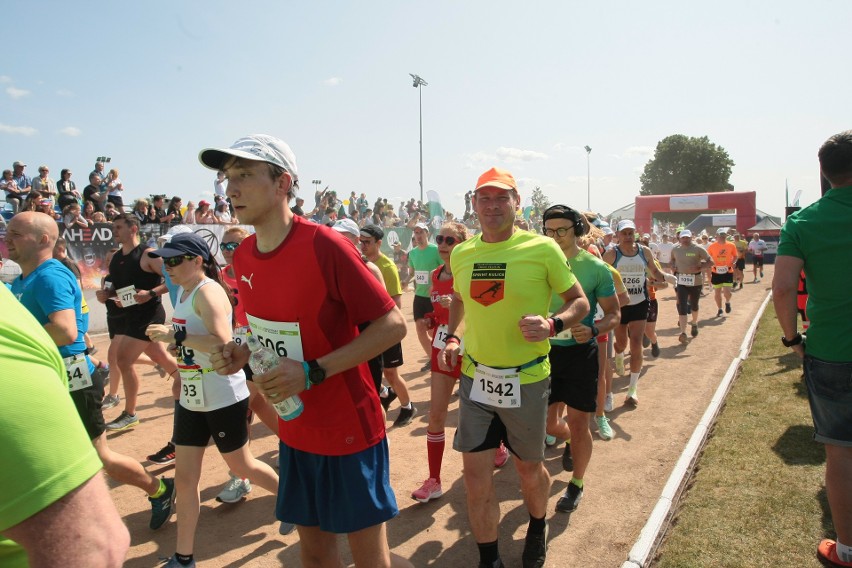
(52, 288)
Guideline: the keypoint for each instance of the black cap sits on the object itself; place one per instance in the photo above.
(183, 243)
(373, 231)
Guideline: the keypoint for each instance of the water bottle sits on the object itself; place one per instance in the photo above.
(261, 361)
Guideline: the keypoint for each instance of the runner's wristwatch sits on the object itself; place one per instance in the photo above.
(316, 374)
(558, 325)
(797, 340)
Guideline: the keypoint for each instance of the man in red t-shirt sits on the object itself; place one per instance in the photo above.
(306, 289)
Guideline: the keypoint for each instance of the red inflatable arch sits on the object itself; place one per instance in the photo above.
(742, 201)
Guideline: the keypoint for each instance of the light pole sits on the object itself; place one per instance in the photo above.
(588, 179)
(316, 183)
(418, 83)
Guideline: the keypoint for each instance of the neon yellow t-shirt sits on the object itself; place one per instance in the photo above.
(499, 284)
(390, 274)
(45, 452)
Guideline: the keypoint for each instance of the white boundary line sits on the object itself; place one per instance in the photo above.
(658, 521)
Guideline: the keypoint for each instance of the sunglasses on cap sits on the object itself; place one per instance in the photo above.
(441, 239)
(231, 247)
(177, 260)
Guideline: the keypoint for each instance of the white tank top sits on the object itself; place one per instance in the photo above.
(632, 270)
(216, 391)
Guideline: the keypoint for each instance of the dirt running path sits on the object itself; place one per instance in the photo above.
(622, 484)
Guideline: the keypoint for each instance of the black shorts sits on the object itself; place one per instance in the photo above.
(134, 324)
(637, 312)
(227, 426)
(88, 401)
(376, 369)
(757, 262)
(653, 310)
(422, 305)
(719, 279)
(740, 265)
(687, 299)
(574, 376)
(392, 357)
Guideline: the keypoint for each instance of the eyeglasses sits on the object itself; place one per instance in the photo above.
(560, 232)
(441, 239)
(231, 247)
(177, 260)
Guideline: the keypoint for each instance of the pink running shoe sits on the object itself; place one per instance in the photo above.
(431, 489)
(502, 456)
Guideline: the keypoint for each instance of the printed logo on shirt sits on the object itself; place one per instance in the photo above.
(488, 282)
(244, 279)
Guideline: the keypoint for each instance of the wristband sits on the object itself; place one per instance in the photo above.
(552, 325)
(307, 371)
(452, 336)
(595, 331)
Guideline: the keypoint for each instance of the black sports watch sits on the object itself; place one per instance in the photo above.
(797, 340)
(558, 325)
(316, 374)
(152, 293)
(595, 331)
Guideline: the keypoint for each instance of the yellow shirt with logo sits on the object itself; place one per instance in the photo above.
(499, 284)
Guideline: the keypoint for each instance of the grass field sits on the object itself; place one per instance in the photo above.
(757, 497)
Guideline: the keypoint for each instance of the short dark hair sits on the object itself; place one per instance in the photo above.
(129, 220)
(835, 158)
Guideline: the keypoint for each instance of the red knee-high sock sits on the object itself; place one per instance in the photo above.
(435, 450)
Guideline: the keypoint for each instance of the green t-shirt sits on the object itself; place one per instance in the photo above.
(499, 284)
(596, 280)
(820, 235)
(424, 261)
(390, 274)
(45, 452)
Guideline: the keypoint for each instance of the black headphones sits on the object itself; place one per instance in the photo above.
(581, 225)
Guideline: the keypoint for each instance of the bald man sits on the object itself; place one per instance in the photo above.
(51, 293)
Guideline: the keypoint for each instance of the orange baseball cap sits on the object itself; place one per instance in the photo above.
(495, 177)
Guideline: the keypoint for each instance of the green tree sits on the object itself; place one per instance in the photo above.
(683, 164)
(539, 200)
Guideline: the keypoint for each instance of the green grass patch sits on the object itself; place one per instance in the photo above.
(757, 497)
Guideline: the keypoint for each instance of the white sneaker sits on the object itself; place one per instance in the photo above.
(632, 397)
(234, 490)
(608, 402)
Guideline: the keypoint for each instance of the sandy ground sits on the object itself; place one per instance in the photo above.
(622, 484)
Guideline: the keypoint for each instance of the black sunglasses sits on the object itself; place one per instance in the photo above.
(441, 239)
(232, 246)
(177, 260)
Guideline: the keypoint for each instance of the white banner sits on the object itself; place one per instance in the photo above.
(688, 203)
(724, 220)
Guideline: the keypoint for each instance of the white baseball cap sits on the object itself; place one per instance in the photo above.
(257, 147)
(685, 233)
(347, 226)
(625, 224)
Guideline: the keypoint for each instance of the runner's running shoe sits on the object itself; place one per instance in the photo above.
(619, 363)
(110, 401)
(827, 554)
(173, 563)
(549, 440)
(406, 415)
(535, 550)
(426, 367)
(632, 397)
(431, 489)
(608, 402)
(655, 350)
(694, 331)
(162, 507)
(387, 400)
(604, 429)
(286, 528)
(501, 456)
(235, 489)
(123, 422)
(570, 500)
(727, 307)
(165, 456)
(683, 339)
(719, 313)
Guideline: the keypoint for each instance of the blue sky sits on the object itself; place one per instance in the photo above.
(521, 85)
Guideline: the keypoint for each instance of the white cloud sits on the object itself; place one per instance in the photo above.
(517, 155)
(64, 93)
(475, 160)
(16, 93)
(22, 130)
(640, 151)
(576, 179)
(562, 147)
(5, 79)
(71, 131)
(332, 81)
